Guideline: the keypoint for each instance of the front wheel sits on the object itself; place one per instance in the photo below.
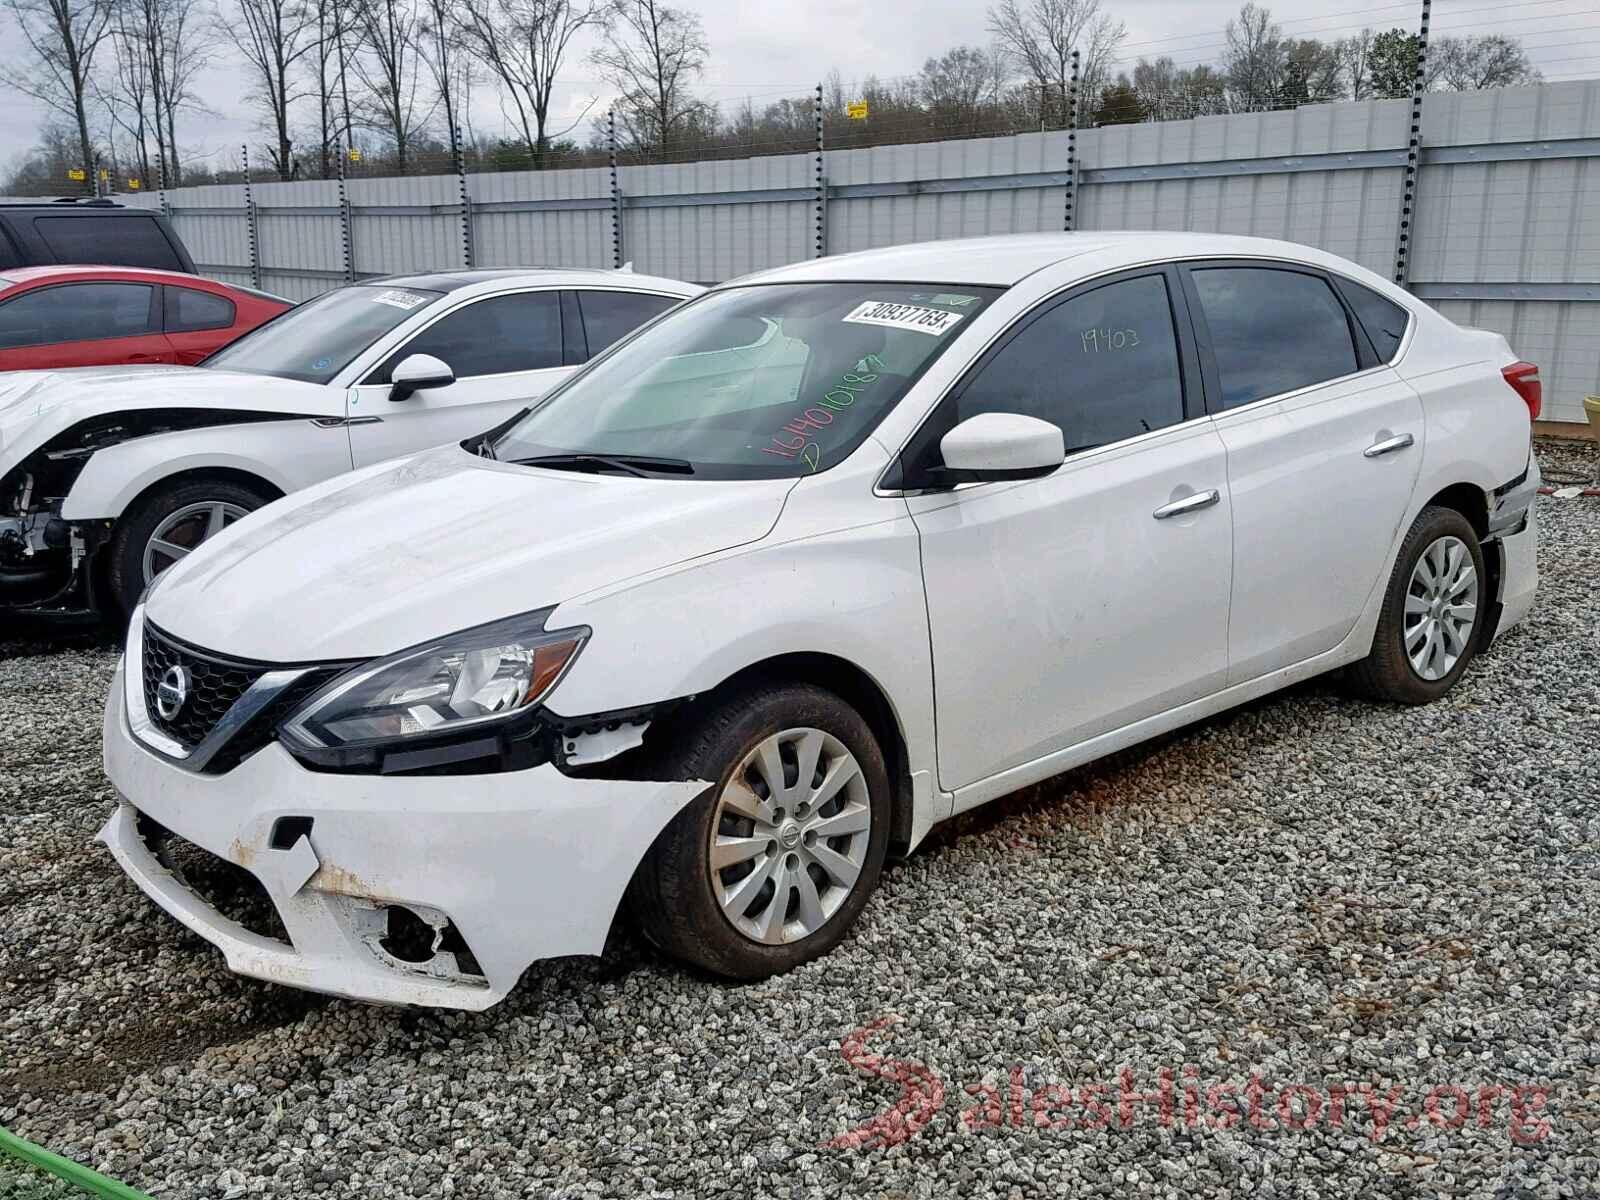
(163, 527)
(1432, 614)
(770, 867)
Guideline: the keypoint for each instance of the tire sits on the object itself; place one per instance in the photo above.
(125, 569)
(678, 900)
(1389, 672)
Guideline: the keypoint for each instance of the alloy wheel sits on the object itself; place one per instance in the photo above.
(184, 529)
(789, 837)
(1441, 608)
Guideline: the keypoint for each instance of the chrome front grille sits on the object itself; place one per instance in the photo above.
(212, 685)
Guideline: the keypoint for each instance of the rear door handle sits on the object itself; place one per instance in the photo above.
(1388, 445)
(1188, 504)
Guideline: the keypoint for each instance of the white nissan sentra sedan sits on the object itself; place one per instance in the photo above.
(794, 573)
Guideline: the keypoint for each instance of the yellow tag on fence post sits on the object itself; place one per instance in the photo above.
(856, 110)
(77, 174)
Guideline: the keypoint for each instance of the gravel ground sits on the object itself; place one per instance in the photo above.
(1308, 891)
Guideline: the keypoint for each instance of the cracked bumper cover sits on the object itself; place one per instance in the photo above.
(528, 864)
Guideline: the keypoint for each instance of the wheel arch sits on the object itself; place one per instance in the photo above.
(857, 688)
(1468, 500)
(222, 474)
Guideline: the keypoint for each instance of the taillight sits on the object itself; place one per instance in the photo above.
(1524, 380)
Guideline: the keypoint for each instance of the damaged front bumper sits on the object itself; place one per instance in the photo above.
(497, 871)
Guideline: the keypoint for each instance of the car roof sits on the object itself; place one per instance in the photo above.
(488, 278)
(1003, 261)
(150, 274)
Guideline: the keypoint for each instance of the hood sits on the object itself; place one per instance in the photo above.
(37, 405)
(400, 553)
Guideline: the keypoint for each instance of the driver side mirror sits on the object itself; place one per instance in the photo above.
(999, 446)
(415, 372)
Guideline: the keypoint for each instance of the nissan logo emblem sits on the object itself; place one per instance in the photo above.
(171, 692)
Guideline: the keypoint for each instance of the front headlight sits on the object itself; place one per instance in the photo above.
(471, 678)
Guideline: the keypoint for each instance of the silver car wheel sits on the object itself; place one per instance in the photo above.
(185, 528)
(1441, 608)
(789, 837)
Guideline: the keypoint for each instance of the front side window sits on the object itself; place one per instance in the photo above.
(75, 312)
(774, 380)
(1273, 331)
(190, 310)
(321, 337)
(520, 332)
(1102, 365)
(611, 316)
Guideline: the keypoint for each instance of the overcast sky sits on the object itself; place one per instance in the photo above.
(766, 48)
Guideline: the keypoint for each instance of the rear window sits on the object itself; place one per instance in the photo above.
(611, 316)
(75, 312)
(126, 241)
(1383, 319)
(190, 309)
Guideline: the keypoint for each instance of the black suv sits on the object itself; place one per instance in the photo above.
(101, 232)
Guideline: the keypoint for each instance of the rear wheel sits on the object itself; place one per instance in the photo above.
(165, 526)
(770, 867)
(1432, 612)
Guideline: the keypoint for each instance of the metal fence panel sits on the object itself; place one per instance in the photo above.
(1506, 233)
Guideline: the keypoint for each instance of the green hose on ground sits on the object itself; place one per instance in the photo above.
(78, 1175)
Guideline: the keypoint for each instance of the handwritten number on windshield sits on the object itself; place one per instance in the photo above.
(799, 444)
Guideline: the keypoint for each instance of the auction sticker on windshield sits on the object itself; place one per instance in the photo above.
(914, 317)
(399, 299)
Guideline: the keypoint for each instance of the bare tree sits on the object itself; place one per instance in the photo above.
(522, 44)
(330, 69)
(62, 38)
(1312, 73)
(1355, 63)
(1254, 59)
(128, 103)
(652, 55)
(1040, 36)
(273, 36)
(1468, 64)
(161, 46)
(1167, 92)
(438, 47)
(956, 87)
(390, 70)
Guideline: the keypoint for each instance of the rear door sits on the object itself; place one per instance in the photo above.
(196, 321)
(1324, 443)
(505, 351)
(87, 324)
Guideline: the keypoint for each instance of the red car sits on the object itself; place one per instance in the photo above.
(107, 316)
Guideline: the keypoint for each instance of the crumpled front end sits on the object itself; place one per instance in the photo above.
(429, 890)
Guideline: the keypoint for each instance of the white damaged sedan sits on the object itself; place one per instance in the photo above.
(798, 571)
(109, 475)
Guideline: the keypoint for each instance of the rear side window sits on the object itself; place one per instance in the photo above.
(1383, 319)
(1273, 331)
(520, 332)
(190, 309)
(76, 312)
(9, 257)
(126, 241)
(1103, 365)
(611, 316)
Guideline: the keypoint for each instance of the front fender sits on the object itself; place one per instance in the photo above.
(289, 454)
(854, 594)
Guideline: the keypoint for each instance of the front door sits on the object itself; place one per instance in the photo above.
(1066, 607)
(1323, 449)
(505, 352)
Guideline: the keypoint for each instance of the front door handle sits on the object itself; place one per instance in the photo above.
(1188, 504)
(1388, 445)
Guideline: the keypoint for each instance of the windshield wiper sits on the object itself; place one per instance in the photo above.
(642, 465)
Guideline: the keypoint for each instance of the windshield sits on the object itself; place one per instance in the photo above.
(316, 340)
(769, 380)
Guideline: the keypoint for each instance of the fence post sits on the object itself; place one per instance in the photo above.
(466, 203)
(345, 248)
(1408, 203)
(822, 183)
(250, 221)
(1071, 217)
(616, 190)
(161, 186)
